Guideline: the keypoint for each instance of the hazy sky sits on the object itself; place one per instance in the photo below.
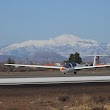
(22, 20)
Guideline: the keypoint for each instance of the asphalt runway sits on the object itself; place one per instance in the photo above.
(52, 73)
(100, 88)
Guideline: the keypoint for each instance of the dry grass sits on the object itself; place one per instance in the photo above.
(57, 102)
(84, 102)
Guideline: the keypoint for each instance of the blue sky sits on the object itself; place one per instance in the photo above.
(22, 20)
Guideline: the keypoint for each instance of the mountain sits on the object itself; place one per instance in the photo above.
(55, 49)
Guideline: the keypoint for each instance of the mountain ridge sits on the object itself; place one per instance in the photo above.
(57, 41)
(62, 45)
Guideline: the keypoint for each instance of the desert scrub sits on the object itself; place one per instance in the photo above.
(64, 98)
(100, 99)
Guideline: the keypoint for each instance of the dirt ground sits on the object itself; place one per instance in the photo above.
(52, 97)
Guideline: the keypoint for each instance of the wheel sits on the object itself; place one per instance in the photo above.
(64, 73)
(75, 72)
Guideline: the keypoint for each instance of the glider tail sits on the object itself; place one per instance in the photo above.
(96, 60)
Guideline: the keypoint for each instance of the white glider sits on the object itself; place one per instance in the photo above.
(69, 67)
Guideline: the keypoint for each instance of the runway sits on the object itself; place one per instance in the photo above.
(53, 80)
(53, 77)
(54, 74)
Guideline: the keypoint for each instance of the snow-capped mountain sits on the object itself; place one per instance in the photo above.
(59, 46)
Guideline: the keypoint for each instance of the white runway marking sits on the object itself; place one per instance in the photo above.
(53, 80)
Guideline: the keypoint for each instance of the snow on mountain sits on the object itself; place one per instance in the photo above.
(62, 45)
(63, 40)
(60, 41)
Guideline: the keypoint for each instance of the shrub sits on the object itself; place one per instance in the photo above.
(100, 99)
(98, 107)
(64, 98)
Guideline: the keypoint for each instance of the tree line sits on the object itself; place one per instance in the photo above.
(72, 58)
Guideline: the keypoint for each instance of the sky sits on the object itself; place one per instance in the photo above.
(22, 20)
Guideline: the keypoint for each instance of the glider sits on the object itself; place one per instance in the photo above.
(69, 67)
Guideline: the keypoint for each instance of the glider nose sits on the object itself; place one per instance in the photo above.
(62, 69)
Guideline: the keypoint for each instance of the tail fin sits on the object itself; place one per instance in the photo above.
(96, 60)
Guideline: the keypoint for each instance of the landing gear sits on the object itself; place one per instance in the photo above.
(75, 72)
